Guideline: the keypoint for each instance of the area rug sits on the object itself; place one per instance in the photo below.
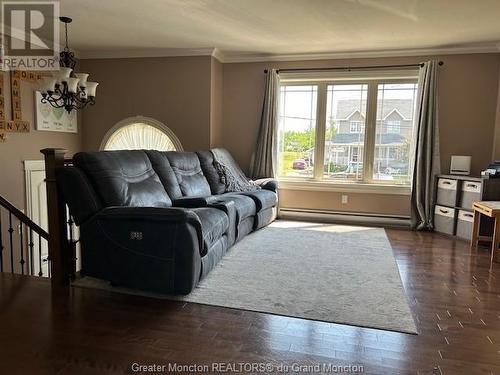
(331, 273)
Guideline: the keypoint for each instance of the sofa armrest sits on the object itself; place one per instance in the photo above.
(193, 202)
(212, 201)
(173, 214)
(77, 192)
(267, 184)
(156, 249)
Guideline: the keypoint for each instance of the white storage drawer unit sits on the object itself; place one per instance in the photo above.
(454, 197)
(444, 219)
(447, 192)
(465, 221)
(471, 192)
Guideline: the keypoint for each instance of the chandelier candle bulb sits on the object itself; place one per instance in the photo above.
(48, 84)
(82, 77)
(64, 72)
(91, 87)
(73, 84)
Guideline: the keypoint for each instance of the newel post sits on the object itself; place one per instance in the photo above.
(59, 251)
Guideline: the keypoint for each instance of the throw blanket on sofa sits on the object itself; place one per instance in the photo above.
(230, 173)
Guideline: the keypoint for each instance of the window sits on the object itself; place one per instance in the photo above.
(393, 127)
(394, 100)
(345, 101)
(141, 133)
(357, 127)
(349, 128)
(297, 124)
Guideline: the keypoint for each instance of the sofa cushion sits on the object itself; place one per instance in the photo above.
(211, 174)
(245, 206)
(187, 169)
(214, 224)
(162, 167)
(213, 256)
(262, 198)
(123, 178)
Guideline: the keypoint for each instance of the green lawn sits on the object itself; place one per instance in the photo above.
(286, 161)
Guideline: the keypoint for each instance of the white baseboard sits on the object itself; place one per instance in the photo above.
(344, 217)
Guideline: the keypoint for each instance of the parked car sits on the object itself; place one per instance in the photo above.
(299, 164)
(391, 170)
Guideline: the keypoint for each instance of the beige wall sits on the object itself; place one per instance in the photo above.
(216, 102)
(399, 205)
(17, 149)
(173, 90)
(209, 104)
(27, 146)
(468, 86)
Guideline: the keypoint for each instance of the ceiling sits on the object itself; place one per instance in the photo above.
(278, 27)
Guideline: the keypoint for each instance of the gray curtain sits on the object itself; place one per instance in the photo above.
(264, 159)
(425, 150)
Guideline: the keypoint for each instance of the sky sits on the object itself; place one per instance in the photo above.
(298, 103)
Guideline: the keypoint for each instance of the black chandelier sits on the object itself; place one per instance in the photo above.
(65, 88)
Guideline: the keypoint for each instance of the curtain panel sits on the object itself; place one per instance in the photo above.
(264, 160)
(425, 150)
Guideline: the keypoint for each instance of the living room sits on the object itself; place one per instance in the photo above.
(280, 186)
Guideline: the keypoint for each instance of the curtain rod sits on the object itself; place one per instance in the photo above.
(348, 68)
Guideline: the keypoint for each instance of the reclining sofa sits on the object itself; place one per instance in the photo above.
(158, 221)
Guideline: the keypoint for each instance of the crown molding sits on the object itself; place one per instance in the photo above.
(152, 52)
(218, 54)
(231, 57)
(242, 57)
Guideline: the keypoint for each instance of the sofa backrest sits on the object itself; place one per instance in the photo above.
(162, 167)
(210, 172)
(187, 170)
(123, 178)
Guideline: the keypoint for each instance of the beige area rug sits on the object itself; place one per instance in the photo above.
(332, 273)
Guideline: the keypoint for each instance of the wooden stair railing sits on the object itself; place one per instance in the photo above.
(60, 237)
(26, 246)
(61, 250)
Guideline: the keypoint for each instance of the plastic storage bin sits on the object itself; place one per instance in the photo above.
(444, 219)
(471, 192)
(465, 222)
(447, 192)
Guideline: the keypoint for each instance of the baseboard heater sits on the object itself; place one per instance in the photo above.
(344, 217)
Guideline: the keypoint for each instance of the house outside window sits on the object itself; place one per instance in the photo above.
(356, 126)
(355, 154)
(346, 128)
(393, 126)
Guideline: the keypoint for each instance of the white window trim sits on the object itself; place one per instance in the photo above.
(343, 187)
(322, 80)
(359, 128)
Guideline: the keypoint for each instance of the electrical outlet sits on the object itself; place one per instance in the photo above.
(344, 199)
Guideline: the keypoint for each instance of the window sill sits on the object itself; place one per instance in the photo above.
(344, 187)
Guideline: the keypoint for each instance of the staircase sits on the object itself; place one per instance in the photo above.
(21, 243)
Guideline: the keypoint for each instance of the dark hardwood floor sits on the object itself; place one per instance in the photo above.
(454, 297)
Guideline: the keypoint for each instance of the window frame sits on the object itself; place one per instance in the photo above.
(395, 124)
(144, 120)
(322, 80)
(358, 126)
